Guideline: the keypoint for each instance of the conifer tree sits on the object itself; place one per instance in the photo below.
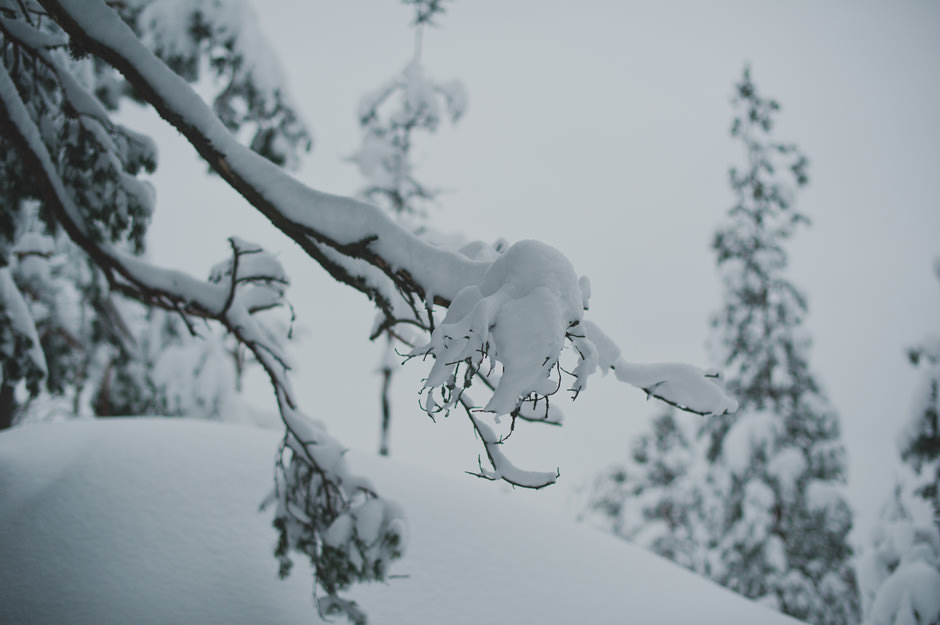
(650, 499)
(762, 508)
(390, 117)
(920, 441)
(92, 350)
(780, 458)
(899, 568)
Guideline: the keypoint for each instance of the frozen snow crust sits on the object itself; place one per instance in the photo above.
(156, 521)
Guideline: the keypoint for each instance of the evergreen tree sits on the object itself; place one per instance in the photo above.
(920, 441)
(652, 498)
(780, 458)
(87, 357)
(81, 328)
(389, 118)
(899, 568)
(760, 495)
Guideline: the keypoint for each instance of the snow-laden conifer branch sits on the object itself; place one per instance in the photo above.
(516, 309)
(315, 491)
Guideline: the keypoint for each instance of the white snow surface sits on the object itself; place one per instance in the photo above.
(156, 521)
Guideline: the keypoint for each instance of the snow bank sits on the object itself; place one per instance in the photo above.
(156, 521)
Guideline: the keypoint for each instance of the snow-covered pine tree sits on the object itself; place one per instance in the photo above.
(899, 568)
(920, 441)
(392, 115)
(654, 498)
(778, 462)
(86, 333)
(91, 359)
(758, 504)
(389, 117)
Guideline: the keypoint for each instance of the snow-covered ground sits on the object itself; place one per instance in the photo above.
(156, 521)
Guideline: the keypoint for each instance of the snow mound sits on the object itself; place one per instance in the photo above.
(156, 521)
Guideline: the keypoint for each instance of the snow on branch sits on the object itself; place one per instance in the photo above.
(311, 218)
(520, 310)
(680, 385)
(253, 96)
(503, 468)
(517, 316)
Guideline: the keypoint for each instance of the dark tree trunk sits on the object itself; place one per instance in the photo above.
(7, 406)
(386, 412)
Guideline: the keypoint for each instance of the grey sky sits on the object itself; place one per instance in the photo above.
(602, 128)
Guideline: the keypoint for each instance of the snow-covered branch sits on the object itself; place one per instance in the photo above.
(517, 309)
(311, 218)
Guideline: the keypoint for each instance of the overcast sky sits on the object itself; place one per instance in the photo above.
(602, 128)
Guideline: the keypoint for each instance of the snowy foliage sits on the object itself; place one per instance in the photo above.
(919, 440)
(222, 38)
(390, 116)
(82, 333)
(85, 330)
(512, 323)
(899, 567)
(109, 356)
(751, 498)
(651, 499)
(777, 545)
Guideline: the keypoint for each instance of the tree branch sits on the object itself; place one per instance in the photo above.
(311, 218)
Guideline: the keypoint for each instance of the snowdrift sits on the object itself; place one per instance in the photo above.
(156, 521)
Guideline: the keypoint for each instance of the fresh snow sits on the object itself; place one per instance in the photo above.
(156, 521)
(751, 432)
(686, 386)
(911, 590)
(786, 468)
(898, 569)
(20, 320)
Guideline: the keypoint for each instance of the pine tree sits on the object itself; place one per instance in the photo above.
(899, 568)
(653, 499)
(761, 505)
(86, 357)
(389, 118)
(779, 458)
(920, 442)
